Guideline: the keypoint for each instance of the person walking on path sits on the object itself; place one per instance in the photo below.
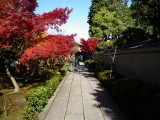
(72, 62)
(81, 58)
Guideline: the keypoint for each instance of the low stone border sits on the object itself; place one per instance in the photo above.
(44, 113)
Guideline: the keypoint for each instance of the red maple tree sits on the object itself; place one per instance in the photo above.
(18, 21)
(22, 32)
(52, 47)
(21, 29)
(89, 45)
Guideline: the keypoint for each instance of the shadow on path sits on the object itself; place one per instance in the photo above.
(107, 105)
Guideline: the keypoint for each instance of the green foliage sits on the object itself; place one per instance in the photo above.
(52, 84)
(95, 6)
(151, 111)
(146, 14)
(110, 18)
(131, 94)
(105, 45)
(93, 66)
(104, 75)
(132, 35)
(46, 72)
(87, 62)
(64, 70)
(38, 98)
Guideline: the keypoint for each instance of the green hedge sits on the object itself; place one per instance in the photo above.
(104, 75)
(36, 99)
(94, 66)
(64, 70)
(138, 99)
(131, 95)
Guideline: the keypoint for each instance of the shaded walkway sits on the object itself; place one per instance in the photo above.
(80, 97)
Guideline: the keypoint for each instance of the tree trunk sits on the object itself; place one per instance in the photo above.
(16, 86)
(113, 59)
(32, 71)
(5, 104)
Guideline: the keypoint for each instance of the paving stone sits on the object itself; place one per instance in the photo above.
(81, 97)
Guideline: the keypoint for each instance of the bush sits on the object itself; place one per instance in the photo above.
(105, 45)
(132, 35)
(104, 75)
(151, 112)
(52, 84)
(104, 78)
(93, 66)
(64, 70)
(46, 72)
(88, 62)
(132, 95)
(38, 98)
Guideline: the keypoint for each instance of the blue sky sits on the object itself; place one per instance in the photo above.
(77, 22)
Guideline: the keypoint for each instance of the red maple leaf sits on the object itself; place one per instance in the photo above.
(89, 45)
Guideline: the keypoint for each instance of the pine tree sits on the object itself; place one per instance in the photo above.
(109, 17)
(146, 14)
(96, 5)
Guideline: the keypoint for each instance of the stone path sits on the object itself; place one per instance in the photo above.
(80, 97)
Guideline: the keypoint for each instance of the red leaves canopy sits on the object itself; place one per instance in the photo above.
(15, 17)
(18, 21)
(89, 45)
(52, 47)
(23, 31)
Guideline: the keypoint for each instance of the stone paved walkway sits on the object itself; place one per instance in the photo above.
(80, 97)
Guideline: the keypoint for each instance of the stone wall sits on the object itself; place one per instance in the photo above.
(142, 63)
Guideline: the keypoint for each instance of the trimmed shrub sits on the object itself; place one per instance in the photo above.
(52, 84)
(132, 95)
(64, 70)
(151, 112)
(88, 62)
(46, 73)
(104, 78)
(93, 66)
(38, 98)
(104, 75)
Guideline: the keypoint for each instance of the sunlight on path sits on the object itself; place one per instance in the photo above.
(81, 97)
